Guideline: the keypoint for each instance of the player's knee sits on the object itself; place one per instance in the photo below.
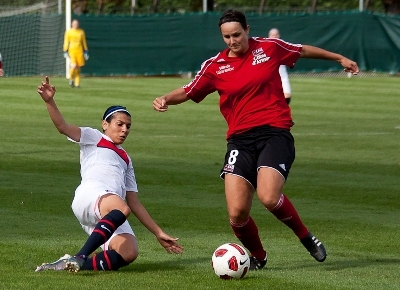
(269, 200)
(125, 210)
(130, 256)
(238, 215)
(126, 246)
(110, 202)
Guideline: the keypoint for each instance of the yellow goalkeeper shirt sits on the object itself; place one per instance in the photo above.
(75, 40)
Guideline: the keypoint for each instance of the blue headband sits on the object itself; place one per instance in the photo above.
(113, 110)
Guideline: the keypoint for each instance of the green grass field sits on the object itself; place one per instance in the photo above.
(345, 183)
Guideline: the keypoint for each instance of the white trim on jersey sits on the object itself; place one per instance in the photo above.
(199, 74)
(278, 41)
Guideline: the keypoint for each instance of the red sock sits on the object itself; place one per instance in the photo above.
(286, 213)
(247, 233)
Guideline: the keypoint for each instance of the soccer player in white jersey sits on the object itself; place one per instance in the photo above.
(107, 193)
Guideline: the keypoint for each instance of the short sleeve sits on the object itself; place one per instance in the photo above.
(202, 84)
(89, 136)
(130, 182)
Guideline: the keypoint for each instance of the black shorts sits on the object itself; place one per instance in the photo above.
(263, 146)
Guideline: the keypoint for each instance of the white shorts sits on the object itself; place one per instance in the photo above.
(86, 209)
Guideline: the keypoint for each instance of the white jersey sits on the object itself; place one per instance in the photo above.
(105, 163)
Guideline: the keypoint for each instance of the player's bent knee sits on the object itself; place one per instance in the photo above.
(126, 246)
(130, 257)
(269, 201)
(238, 216)
(109, 202)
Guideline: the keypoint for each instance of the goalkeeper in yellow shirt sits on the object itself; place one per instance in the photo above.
(75, 48)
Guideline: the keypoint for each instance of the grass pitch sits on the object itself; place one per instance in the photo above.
(344, 183)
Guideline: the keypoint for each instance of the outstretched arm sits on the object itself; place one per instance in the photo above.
(309, 51)
(169, 243)
(175, 97)
(47, 92)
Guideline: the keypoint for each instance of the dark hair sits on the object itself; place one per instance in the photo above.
(109, 113)
(233, 16)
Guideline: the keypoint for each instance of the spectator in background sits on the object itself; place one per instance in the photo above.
(1, 66)
(274, 33)
(75, 48)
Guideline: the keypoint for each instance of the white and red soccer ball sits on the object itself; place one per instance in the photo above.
(230, 261)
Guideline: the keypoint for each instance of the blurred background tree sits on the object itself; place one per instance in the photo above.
(187, 6)
(263, 6)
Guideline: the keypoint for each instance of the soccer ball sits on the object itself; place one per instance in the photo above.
(230, 261)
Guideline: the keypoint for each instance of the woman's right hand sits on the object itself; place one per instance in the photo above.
(46, 91)
(160, 104)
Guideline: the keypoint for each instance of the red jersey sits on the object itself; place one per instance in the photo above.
(249, 86)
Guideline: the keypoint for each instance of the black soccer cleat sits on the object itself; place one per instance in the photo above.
(256, 264)
(315, 247)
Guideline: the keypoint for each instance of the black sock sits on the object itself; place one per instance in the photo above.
(108, 260)
(102, 232)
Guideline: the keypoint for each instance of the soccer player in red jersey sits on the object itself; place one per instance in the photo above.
(260, 148)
